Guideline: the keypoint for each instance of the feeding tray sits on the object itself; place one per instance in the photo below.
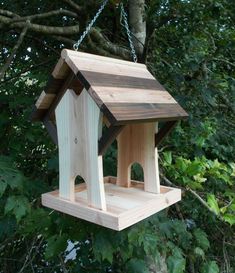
(84, 93)
(125, 206)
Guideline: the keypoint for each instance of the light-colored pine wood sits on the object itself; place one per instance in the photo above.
(125, 206)
(78, 121)
(67, 53)
(61, 69)
(112, 94)
(79, 62)
(136, 144)
(45, 100)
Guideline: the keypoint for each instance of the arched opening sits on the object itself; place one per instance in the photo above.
(137, 172)
(79, 180)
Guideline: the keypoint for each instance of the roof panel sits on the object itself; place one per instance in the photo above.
(125, 91)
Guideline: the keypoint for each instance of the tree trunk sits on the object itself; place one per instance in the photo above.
(138, 24)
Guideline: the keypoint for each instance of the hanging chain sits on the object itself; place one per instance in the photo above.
(88, 28)
(128, 32)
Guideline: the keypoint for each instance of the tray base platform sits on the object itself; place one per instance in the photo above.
(125, 206)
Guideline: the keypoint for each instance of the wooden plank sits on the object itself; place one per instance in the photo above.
(45, 100)
(66, 53)
(78, 121)
(133, 95)
(124, 113)
(125, 207)
(37, 114)
(61, 70)
(108, 137)
(110, 80)
(60, 94)
(77, 63)
(53, 85)
(164, 131)
(51, 129)
(136, 145)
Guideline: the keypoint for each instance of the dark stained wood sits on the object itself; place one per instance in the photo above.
(164, 131)
(53, 85)
(59, 96)
(124, 113)
(108, 137)
(51, 129)
(102, 79)
(128, 94)
(37, 114)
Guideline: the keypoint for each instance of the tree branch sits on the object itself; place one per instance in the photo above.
(108, 46)
(64, 39)
(14, 50)
(198, 197)
(45, 15)
(41, 28)
(8, 13)
(73, 5)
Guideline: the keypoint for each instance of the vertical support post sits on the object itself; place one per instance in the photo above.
(78, 124)
(136, 143)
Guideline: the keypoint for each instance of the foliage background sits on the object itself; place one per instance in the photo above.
(190, 48)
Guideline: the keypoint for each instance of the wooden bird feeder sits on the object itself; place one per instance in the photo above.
(84, 92)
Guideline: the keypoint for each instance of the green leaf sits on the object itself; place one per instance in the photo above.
(210, 267)
(182, 164)
(201, 239)
(103, 248)
(176, 264)
(212, 202)
(199, 252)
(137, 266)
(199, 178)
(167, 157)
(3, 186)
(55, 245)
(194, 168)
(229, 218)
(17, 205)
(9, 175)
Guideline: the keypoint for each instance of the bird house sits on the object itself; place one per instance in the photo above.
(85, 92)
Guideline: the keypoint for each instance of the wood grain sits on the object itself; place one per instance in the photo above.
(78, 121)
(125, 113)
(136, 144)
(125, 206)
(125, 92)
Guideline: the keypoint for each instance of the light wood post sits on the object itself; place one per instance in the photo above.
(78, 121)
(136, 143)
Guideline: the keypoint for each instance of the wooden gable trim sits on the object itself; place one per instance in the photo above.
(108, 137)
(164, 131)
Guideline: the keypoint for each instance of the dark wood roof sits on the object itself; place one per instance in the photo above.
(125, 92)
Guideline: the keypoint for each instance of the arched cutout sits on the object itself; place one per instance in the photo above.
(78, 180)
(137, 172)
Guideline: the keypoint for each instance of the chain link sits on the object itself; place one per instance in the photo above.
(128, 32)
(88, 28)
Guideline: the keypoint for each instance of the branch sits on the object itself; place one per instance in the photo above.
(8, 13)
(42, 28)
(64, 40)
(14, 50)
(108, 46)
(95, 49)
(198, 197)
(45, 15)
(73, 5)
(223, 61)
